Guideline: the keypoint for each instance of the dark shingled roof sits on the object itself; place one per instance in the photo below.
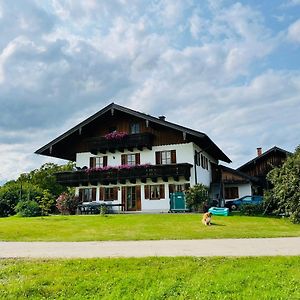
(210, 146)
(263, 155)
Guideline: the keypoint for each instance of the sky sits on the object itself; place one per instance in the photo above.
(229, 69)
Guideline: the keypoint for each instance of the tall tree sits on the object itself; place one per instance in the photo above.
(286, 190)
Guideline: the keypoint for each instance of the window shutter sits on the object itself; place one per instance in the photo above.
(158, 157)
(123, 159)
(104, 161)
(173, 156)
(94, 190)
(124, 198)
(81, 195)
(138, 197)
(147, 191)
(171, 189)
(162, 191)
(101, 193)
(137, 159)
(115, 193)
(92, 162)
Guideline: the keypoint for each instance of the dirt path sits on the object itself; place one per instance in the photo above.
(217, 247)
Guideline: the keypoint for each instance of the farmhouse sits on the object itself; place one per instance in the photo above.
(250, 178)
(262, 164)
(133, 159)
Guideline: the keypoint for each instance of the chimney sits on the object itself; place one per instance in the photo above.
(259, 151)
(163, 118)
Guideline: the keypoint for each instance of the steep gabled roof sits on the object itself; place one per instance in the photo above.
(264, 155)
(210, 146)
(239, 173)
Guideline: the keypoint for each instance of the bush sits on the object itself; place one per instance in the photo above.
(197, 197)
(251, 210)
(28, 209)
(5, 209)
(67, 204)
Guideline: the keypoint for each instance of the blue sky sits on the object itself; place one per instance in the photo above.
(226, 68)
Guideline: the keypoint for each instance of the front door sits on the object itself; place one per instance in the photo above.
(131, 198)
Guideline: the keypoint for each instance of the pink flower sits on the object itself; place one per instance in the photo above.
(115, 135)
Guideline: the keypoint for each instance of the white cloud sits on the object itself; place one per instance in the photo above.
(294, 32)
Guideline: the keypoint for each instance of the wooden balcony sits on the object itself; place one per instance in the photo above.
(121, 176)
(131, 141)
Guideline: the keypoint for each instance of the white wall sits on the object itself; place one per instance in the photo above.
(245, 189)
(203, 175)
(184, 154)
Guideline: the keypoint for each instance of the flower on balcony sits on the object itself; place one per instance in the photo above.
(121, 167)
(115, 135)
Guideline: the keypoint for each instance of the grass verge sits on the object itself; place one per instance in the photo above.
(151, 278)
(141, 227)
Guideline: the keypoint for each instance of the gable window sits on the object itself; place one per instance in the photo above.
(155, 192)
(87, 194)
(112, 129)
(134, 128)
(98, 162)
(165, 157)
(231, 192)
(108, 193)
(132, 159)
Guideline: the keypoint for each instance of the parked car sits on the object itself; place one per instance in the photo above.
(234, 204)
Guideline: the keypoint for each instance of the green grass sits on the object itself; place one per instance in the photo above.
(151, 278)
(141, 227)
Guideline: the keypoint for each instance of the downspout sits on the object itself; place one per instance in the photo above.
(195, 166)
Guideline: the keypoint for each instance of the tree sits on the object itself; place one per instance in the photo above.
(15, 191)
(286, 190)
(38, 185)
(45, 179)
(197, 196)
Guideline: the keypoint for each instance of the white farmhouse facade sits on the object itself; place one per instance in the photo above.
(133, 160)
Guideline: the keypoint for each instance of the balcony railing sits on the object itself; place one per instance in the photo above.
(130, 141)
(115, 176)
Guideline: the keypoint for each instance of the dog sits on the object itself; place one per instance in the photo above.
(206, 219)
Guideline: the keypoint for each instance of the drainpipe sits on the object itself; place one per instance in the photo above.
(195, 166)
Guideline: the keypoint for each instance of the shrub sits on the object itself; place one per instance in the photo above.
(197, 197)
(251, 210)
(5, 209)
(67, 204)
(28, 209)
(46, 203)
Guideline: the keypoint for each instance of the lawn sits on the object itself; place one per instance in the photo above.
(141, 227)
(151, 278)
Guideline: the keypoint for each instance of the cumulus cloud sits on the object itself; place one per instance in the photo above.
(294, 32)
(203, 65)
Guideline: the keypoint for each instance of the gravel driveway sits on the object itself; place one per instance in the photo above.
(212, 247)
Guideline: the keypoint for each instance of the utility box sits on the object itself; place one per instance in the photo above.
(177, 202)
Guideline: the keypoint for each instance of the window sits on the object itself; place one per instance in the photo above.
(165, 157)
(155, 192)
(130, 159)
(87, 194)
(204, 161)
(112, 129)
(135, 128)
(108, 193)
(231, 192)
(173, 188)
(98, 162)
